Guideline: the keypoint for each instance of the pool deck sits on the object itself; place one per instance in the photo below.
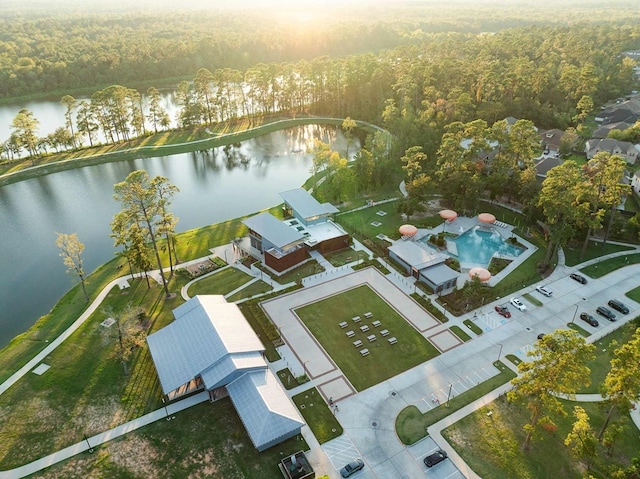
(461, 225)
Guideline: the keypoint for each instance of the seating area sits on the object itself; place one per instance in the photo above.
(358, 343)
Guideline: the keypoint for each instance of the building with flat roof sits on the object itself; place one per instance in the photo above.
(211, 346)
(424, 265)
(301, 205)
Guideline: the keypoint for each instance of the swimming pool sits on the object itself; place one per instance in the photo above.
(478, 246)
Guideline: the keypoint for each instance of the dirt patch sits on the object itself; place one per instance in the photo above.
(135, 455)
(96, 418)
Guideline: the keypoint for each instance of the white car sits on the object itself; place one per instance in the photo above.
(544, 291)
(517, 304)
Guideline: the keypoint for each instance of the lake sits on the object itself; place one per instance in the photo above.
(215, 185)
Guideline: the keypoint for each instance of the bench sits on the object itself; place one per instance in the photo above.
(364, 352)
(384, 332)
(356, 319)
(350, 334)
(376, 324)
(364, 328)
(392, 340)
(343, 324)
(368, 314)
(371, 338)
(357, 343)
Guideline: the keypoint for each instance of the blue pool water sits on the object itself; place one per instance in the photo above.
(478, 247)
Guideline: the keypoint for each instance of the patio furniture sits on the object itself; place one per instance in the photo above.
(392, 340)
(343, 324)
(384, 332)
(350, 334)
(356, 319)
(368, 314)
(371, 338)
(357, 343)
(376, 324)
(364, 328)
(364, 352)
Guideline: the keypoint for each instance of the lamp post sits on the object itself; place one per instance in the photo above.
(166, 411)
(499, 352)
(449, 394)
(89, 445)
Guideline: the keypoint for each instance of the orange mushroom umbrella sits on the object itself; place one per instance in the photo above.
(482, 274)
(408, 230)
(486, 218)
(448, 215)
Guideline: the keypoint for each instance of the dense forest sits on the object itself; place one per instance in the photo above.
(67, 47)
(550, 75)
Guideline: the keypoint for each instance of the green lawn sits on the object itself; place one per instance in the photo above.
(461, 333)
(634, 294)
(594, 250)
(360, 221)
(255, 288)
(344, 256)
(411, 425)
(607, 266)
(491, 444)
(385, 360)
(473, 326)
(318, 416)
(207, 440)
(220, 282)
(601, 365)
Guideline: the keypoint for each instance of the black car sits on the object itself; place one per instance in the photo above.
(606, 312)
(352, 468)
(589, 319)
(578, 277)
(618, 306)
(435, 458)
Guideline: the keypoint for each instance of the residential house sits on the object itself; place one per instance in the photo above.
(627, 111)
(550, 139)
(628, 151)
(603, 131)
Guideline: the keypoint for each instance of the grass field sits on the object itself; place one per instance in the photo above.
(207, 440)
(491, 444)
(607, 266)
(594, 250)
(220, 282)
(385, 360)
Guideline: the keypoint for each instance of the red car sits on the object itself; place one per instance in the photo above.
(503, 311)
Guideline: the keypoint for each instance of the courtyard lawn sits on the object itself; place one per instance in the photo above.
(385, 360)
(220, 282)
(411, 425)
(491, 443)
(360, 221)
(318, 416)
(344, 256)
(206, 440)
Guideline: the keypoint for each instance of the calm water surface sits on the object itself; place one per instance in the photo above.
(215, 185)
